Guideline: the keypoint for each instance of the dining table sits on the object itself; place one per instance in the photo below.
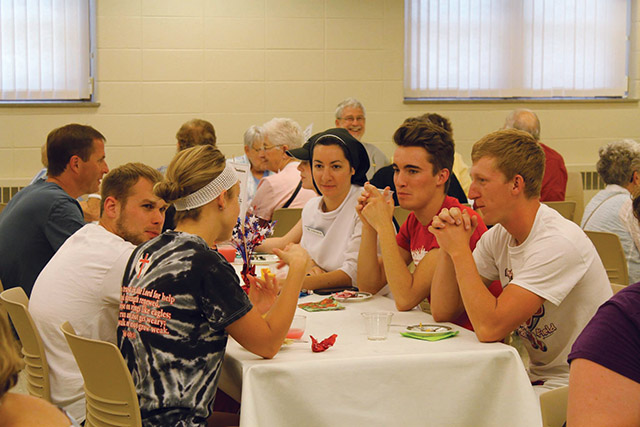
(457, 381)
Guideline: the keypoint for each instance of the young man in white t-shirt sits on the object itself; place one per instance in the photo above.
(552, 277)
(82, 281)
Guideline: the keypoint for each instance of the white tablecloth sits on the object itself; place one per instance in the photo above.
(398, 382)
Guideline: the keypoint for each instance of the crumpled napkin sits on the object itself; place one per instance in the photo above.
(326, 304)
(436, 337)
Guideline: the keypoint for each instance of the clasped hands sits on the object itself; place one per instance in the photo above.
(375, 208)
(453, 228)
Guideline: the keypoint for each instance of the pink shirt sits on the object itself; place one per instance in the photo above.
(274, 191)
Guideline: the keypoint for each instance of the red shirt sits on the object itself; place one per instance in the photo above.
(554, 181)
(416, 238)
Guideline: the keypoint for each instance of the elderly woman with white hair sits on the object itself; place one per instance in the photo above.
(284, 188)
(254, 155)
(611, 209)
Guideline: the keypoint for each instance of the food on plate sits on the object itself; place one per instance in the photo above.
(346, 294)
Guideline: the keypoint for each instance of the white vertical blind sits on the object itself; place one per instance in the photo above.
(44, 50)
(516, 48)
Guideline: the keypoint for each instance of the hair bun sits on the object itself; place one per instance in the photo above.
(168, 191)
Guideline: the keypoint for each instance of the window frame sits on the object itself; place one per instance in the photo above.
(630, 94)
(88, 102)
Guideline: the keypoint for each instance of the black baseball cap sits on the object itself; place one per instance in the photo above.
(303, 153)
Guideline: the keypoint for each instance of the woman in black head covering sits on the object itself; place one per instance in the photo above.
(330, 228)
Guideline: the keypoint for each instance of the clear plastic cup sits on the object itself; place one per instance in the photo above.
(298, 325)
(377, 324)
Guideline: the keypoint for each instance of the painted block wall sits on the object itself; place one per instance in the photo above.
(242, 62)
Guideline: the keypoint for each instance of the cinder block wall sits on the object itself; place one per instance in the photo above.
(241, 62)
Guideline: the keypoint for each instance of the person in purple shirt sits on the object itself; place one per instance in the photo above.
(604, 381)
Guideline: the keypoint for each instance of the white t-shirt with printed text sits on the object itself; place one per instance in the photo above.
(559, 263)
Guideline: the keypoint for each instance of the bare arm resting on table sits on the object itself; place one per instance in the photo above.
(264, 336)
(408, 289)
(492, 318)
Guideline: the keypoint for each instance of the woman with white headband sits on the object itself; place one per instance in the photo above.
(180, 298)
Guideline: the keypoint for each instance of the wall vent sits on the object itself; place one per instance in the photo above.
(6, 193)
(591, 181)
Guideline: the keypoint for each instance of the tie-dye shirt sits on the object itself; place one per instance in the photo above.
(178, 296)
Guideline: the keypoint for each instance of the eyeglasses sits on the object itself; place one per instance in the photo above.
(264, 148)
(350, 119)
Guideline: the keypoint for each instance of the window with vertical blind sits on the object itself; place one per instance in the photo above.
(497, 49)
(45, 50)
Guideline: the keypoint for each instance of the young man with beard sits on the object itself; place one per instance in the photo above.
(81, 283)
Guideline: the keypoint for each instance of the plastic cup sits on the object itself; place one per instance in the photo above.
(228, 252)
(377, 324)
(296, 330)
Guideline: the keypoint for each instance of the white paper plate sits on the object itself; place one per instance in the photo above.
(428, 329)
(359, 296)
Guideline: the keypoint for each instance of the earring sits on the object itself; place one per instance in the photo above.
(220, 208)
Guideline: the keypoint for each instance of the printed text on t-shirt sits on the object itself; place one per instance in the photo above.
(139, 310)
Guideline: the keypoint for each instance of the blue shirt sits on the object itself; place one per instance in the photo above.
(35, 223)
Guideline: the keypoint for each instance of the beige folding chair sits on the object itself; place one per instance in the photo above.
(575, 193)
(285, 219)
(401, 214)
(617, 288)
(16, 303)
(108, 387)
(553, 405)
(567, 208)
(3, 311)
(2, 206)
(612, 256)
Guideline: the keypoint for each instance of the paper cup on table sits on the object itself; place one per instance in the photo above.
(377, 324)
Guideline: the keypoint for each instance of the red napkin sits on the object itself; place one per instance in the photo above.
(318, 347)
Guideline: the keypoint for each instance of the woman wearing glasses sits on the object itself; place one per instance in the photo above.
(284, 188)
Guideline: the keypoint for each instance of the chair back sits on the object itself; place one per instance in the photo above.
(401, 215)
(617, 288)
(553, 405)
(2, 206)
(285, 219)
(612, 256)
(575, 193)
(109, 391)
(16, 302)
(3, 311)
(567, 208)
